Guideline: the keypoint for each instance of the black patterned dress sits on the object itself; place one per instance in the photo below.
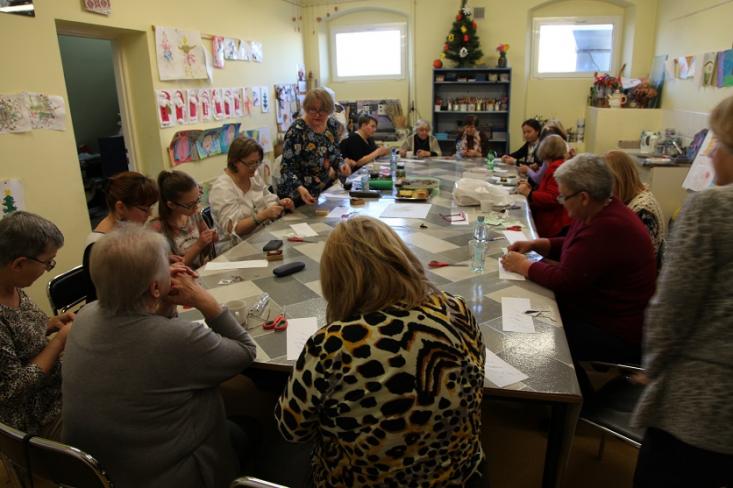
(390, 398)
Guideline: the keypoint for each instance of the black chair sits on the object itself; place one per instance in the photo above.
(206, 215)
(65, 465)
(68, 289)
(13, 454)
(113, 154)
(611, 407)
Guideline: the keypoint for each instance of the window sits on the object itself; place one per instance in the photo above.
(577, 46)
(368, 52)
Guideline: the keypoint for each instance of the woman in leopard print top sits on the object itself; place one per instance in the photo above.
(390, 389)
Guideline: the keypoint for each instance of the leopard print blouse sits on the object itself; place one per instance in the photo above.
(390, 398)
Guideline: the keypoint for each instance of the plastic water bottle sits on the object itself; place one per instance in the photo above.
(490, 160)
(365, 182)
(478, 245)
(393, 162)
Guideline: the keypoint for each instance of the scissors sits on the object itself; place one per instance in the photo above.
(441, 264)
(514, 227)
(298, 239)
(279, 323)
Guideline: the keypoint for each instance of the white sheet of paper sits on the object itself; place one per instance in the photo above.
(221, 265)
(508, 275)
(407, 210)
(501, 373)
(298, 333)
(336, 191)
(338, 212)
(408, 160)
(431, 244)
(513, 318)
(515, 235)
(303, 230)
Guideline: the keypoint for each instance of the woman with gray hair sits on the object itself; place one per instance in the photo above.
(421, 143)
(142, 384)
(604, 270)
(30, 371)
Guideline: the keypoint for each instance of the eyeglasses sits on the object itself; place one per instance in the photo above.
(562, 198)
(313, 112)
(146, 210)
(187, 206)
(251, 164)
(50, 264)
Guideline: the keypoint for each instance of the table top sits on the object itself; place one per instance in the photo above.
(543, 356)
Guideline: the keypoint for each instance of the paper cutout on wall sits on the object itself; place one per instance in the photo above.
(244, 49)
(231, 48)
(205, 104)
(264, 99)
(208, 144)
(227, 134)
(183, 147)
(255, 97)
(12, 197)
(47, 111)
(702, 174)
(256, 53)
(709, 69)
(165, 109)
(237, 100)
(217, 104)
(15, 114)
(684, 67)
(217, 51)
(179, 105)
(228, 103)
(192, 111)
(264, 139)
(180, 54)
(286, 105)
(103, 7)
(247, 101)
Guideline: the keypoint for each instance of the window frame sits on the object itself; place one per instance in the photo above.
(387, 26)
(537, 22)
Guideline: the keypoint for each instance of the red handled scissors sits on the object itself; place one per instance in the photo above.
(514, 227)
(298, 239)
(441, 264)
(279, 323)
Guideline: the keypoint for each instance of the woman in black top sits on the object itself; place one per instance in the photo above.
(527, 153)
(360, 147)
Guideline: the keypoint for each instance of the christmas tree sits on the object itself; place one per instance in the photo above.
(461, 45)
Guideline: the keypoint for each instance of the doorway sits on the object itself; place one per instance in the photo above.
(91, 84)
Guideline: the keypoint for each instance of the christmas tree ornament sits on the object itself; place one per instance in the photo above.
(474, 24)
(451, 37)
(442, 56)
(445, 47)
(465, 38)
(463, 52)
(464, 29)
(459, 17)
(437, 64)
(466, 11)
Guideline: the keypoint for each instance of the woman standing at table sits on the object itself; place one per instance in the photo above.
(549, 215)
(687, 407)
(527, 153)
(360, 147)
(422, 143)
(239, 199)
(390, 389)
(471, 143)
(311, 156)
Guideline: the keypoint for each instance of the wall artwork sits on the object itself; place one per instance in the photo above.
(256, 53)
(725, 68)
(264, 139)
(179, 106)
(205, 104)
(231, 49)
(183, 147)
(11, 196)
(165, 108)
(255, 97)
(709, 69)
(15, 113)
(217, 51)
(208, 143)
(217, 104)
(701, 174)
(237, 100)
(287, 105)
(192, 112)
(47, 111)
(227, 134)
(244, 50)
(684, 67)
(180, 54)
(103, 7)
(247, 101)
(264, 99)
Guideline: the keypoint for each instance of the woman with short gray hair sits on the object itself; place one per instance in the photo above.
(141, 384)
(421, 143)
(30, 370)
(604, 269)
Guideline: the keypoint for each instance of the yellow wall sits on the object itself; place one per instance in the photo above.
(46, 161)
(693, 28)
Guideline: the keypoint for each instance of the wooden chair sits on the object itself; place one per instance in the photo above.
(68, 289)
(64, 465)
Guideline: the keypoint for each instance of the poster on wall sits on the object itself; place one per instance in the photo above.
(264, 99)
(227, 134)
(256, 53)
(11, 196)
(702, 174)
(183, 147)
(255, 97)
(208, 144)
(286, 104)
(709, 69)
(180, 54)
(47, 111)
(228, 103)
(217, 51)
(237, 100)
(192, 112)
(205, 104)
(103, 7)
(15, 113)
(165, 108)
(684, 67)
(231, 49)
(725, 68)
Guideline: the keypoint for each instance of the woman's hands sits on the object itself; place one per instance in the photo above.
(472, 153)
(524, 188)
(58, 322)
(422, 153)
(186, 291)
(306, 196)
(516, 262)
(206, 238)
(506, 159)
(287, 203)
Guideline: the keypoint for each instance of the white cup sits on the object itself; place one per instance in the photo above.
(238, 308)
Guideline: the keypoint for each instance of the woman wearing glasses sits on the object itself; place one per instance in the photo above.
(605, 269)
(30, 372)
(180, 221)
(239, 199)
(311, 157)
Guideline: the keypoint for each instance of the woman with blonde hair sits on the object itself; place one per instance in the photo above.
(396, 371)
(629, 189)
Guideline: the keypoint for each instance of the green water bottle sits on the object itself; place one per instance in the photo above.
(490, 160)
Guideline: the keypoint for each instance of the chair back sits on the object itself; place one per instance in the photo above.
(68, 289)
(13, 453)
(65, 465)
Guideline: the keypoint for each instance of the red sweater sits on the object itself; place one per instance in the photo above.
(606, 272)
(550, 217)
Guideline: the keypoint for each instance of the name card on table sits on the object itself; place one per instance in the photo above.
(298, 333)
(501, 373)
(513, 318)
(303, 230)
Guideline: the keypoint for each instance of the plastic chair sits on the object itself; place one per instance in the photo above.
(13, 454)
(250, 482)
(611, 407)
(65, 465)
(68, 289)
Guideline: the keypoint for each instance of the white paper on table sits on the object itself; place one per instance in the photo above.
(508, 275)
(501, 373)
(513, 318)
(408, 160)
(222, 265)
(431, 244)
(338, 212)
(515, 235)
(298, 333)
(465, 220)
(407, 210)
(303, 230)
(336, 191)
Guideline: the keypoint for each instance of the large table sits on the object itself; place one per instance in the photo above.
(543, 356)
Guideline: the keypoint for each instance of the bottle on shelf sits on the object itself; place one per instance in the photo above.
(478, 245)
